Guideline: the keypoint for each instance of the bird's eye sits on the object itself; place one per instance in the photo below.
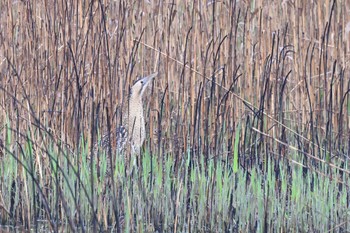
(142, 82)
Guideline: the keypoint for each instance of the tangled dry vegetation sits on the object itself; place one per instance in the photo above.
(248, 122)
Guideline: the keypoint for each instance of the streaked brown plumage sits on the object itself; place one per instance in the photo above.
(132, 131)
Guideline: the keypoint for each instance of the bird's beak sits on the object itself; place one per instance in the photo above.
(149, 78)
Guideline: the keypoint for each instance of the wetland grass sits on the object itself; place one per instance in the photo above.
(247, 125)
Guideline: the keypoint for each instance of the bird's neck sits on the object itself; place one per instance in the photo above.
(135, 117)
(135, 108)
(135, 102)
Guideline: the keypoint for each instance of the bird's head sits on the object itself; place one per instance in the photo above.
(140, 85)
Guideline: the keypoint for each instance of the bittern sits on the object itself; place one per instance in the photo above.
(131, 132)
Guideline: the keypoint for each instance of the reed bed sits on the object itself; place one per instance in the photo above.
(247, 123)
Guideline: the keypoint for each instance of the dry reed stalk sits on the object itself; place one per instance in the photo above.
(69, 54)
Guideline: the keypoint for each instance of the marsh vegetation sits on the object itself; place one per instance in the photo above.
(247, 123)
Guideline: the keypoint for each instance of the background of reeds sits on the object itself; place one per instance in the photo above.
(248, 121)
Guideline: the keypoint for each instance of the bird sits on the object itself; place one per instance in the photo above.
(131, 132)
